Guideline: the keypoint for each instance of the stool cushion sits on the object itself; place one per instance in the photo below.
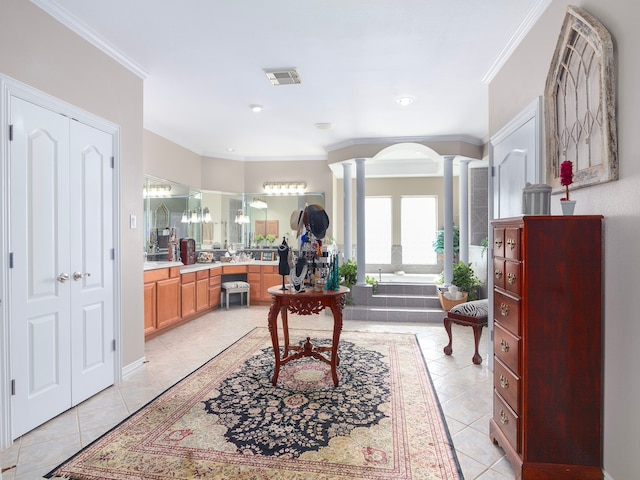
(476, 309)
(235, 285)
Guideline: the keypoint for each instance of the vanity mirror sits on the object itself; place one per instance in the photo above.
(216, 219)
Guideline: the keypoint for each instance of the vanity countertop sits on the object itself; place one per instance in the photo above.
(200, 266)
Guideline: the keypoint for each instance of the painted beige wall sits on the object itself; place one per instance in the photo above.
(165, 159)
(37, 50)
(517, 84)
(222, 175)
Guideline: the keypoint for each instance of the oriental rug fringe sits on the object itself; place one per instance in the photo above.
(226, 421)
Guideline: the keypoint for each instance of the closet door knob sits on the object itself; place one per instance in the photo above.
(77, 275)
(63, 277)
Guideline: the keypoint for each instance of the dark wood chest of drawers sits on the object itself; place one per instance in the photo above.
(547, 303)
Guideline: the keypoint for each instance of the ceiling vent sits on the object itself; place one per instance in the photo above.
(283, 76)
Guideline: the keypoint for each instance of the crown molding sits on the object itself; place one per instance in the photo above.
(63, 16)
(426, 139)
(534, 14)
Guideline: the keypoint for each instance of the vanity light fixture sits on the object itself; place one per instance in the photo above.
(206, 215)
(157, 191)
(185, 218)
(241, 218)
(195, 218)
(285, 188)
(259, 204)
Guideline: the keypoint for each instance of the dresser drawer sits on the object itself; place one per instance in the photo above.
(498, 242)
(507, 384)
(506, 348)
(507, 421)
(512, 281)
(498, 273)
(512, 243)
(506, 310)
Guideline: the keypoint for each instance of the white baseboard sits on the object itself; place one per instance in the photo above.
(133, 367)
(607, 476)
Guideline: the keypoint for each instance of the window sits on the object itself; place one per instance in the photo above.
(418, 231)
(377, 230)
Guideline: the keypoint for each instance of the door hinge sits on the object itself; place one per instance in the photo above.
(113, 254)
(113, 345)
(11, 260)
(10, 133)
(113, 162)
(493, 171)
(13, 387)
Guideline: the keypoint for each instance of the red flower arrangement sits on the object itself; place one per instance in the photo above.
(566, 176)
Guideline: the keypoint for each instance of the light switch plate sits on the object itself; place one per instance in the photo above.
(132, 221)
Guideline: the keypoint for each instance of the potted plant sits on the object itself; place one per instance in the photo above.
(465, 279)
(259, 238)
(438, 243)
(270, 239)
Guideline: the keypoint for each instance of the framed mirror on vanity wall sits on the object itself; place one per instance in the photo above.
(217, 220)
(169, 205)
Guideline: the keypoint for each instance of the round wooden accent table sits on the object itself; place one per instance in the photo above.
(305, 303)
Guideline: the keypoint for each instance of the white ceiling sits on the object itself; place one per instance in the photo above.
(202, 62)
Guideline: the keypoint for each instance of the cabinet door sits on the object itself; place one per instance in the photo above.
(214, 288)
(188, 291)
(256, 286)
(202, 294)
(168, 301)
(150, 295)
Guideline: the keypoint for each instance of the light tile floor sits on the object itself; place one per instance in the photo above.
(464, 390)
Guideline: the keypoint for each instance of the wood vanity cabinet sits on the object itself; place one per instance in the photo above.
(261, 278)
(270, 278)
(547, 338)
(161, 298)
(215, 276)
(202, 290)
(188, 289)
(254, 277)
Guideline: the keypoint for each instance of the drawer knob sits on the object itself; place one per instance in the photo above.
(511, 278)
(504, 382)
(511, 243)
(504, 309)
(503, 417)
(504, 346)
(498, 274)
(498, 243)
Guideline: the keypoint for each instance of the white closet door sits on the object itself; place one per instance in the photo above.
(39, 242)
(91, 243)
(61, 281)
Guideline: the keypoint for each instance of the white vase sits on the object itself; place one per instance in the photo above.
(568, 206)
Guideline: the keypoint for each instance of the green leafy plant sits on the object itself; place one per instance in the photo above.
(258, 239)
(270, 239)
(464, 278)
(348, 272)
(438, 243)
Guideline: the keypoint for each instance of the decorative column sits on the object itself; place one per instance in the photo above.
(360, 231)
(464, 210)
(348, 214)
(448, 218)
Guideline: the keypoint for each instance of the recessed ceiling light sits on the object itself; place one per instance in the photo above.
(230, 149)
(256, 108)
(323, 126)
(404, 101)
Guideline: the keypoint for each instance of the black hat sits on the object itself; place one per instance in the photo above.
(316, 220)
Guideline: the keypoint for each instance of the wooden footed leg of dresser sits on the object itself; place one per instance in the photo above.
(498, 438)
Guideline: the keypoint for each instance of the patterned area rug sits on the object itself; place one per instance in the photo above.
(226, 420)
